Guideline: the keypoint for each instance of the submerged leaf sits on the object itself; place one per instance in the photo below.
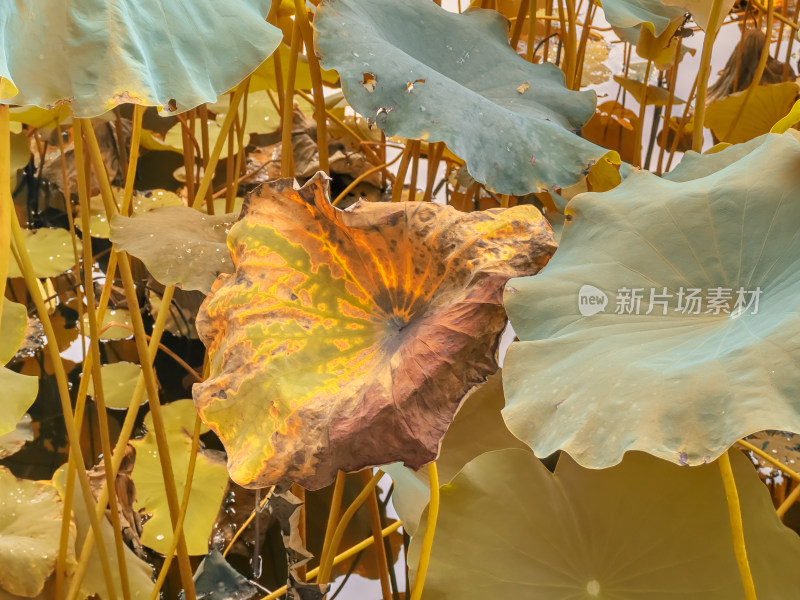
(514, 142)
(179, 245)
(207, 489)
(101, 54)
(348, 338)
(30, 528)
(642, 529)
(668, 319)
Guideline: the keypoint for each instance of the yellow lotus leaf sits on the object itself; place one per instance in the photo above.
(614, 127)
(767, 105)
(655, 95)
(349, 338)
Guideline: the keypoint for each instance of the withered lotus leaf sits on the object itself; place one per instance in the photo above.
(348, 339)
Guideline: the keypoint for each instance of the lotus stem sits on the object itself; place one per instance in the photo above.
(737, 528)
(287, 158)
(430, 530)
(702, 75)
(380, 550)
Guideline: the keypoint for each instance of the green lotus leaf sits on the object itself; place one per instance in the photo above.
(102, 53)
(50, 250)
(140, 574)
(653, 14)
(15, 439)
(513, 120)
(477, 427)
(119, 382)
(108, 330)
(508, 528)
(712, 354)
(19, 393)
(348, 339)
(13, 324)
(30, 528)
(141, 203)
(179, 245)
(207, 488)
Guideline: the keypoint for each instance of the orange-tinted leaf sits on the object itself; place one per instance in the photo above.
(347, 339)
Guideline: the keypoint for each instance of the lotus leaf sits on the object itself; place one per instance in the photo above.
(513, 122)
(50, 250)
(690, 293)
(655, 15)
(119, 382)
(108, 330)
(101, 53)
(581, 533)
(207, 487)
(30, 527)
(179, 245)
(19, 394)
(348, 338)
(13, 324)
(15, 439)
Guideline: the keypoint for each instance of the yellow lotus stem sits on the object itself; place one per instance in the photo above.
(248, 521)
(637, 148)
(380, 550)
(350, 552)
(702, 76)
(333, 515)
(787, 504)
(129, 287)
(327, 566)
(287, 159)
(73, 437)
(208, 174)
(430, 530)
(6, 205)
(737, 528)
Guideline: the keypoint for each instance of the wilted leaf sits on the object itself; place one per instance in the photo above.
(140, 574)
(207, 488)
(687, 380)
(13, 324)
(50, 251)
(348, 338)
(513, 142)
(766, 106)
(614, 127)
(15, 439)
(478, 427)
(101, 54)
(119, 382)
(642, 529)
(215, 579)
(178, 245)
(30, 527)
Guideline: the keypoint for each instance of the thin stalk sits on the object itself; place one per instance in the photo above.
(247, 521)
(587, 27)
(762, 64)
(412, 185)
(516, 32)
(341, 557)
(702, 76)
(434, 157)
(73, 437)
(737, 528)
(208, 174)
(380, 551)
(531, 44)
(178, 531)
(361, 178)
(188, 157)
(6, 204)
(681, 125)
(300, 492)
(326, 567)
(397, 187)
(333, 515)
(571, 45)
(637, 148)
(287, 157)
(770, 459)
(133, 158)
(673, 78)
(788, 502)
(94, 348)
(430, 530)
(129, 287)
(301, 16)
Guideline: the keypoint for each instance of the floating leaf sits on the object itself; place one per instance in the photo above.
(513, 142)
(50, 250)
(140, 574)
(107, 329)
(687, 380)
(581, 533)
(208, 483)
(99, 55)
(179, 245)
(119, 382)
(19, 393)
(476, 428)
(348, 338)
(14, 440)
(731, 122)
(30, 528)
(13, 324)
(141, 202)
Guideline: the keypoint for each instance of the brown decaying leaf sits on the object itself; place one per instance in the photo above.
(348, 339)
